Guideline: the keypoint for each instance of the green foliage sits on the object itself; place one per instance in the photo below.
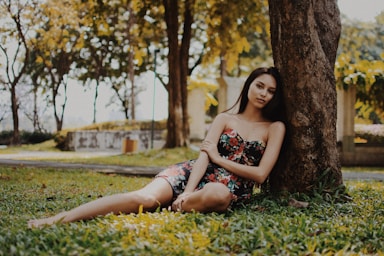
(373, 134)
(360, 63)
(268, 226)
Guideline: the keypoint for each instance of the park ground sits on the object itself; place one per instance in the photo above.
(37, 184)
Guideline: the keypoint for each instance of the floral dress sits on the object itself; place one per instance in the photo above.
(230, 146)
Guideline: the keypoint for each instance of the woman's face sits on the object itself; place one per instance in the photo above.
(262, 90)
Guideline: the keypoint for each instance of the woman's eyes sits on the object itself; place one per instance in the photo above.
(261, 86)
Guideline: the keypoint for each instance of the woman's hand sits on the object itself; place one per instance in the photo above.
(211, 149)
(177, 204)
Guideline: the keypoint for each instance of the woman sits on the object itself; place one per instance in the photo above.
(238, 152)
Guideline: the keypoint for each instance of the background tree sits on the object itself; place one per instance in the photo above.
(233, 30)
(129, 52)
(305, 37)
(57, 45)
(360, 64)
(112, 51)
(177, 125)
(18, 17)
(224, 36)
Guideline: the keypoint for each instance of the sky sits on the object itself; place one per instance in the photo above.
(364, 10)
(79, 106)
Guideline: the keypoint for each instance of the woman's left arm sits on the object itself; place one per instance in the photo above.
(276, 133)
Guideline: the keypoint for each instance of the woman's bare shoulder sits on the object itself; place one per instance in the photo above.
(277, 126)
(225, 116)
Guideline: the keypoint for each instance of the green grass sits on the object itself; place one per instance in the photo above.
(48, 145)
(265, 227)
(163, 157)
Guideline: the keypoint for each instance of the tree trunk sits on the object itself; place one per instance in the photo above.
(184, 71)
(15, 115)
(175, 134)
(131, 71)
(59, 117)
(96, 95)
(305, 37)
(14, 75)
(131, 64)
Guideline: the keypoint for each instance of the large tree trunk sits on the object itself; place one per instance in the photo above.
(305, 35)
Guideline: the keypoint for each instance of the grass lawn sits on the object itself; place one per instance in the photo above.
(265, 227)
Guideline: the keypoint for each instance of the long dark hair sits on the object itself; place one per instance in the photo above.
(275, 109)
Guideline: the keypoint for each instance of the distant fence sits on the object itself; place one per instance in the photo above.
(113, 140)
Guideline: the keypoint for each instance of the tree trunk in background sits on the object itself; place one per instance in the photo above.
(178, 56)
(15, 116)
(175, 117)
(305, 35)
(184, 71)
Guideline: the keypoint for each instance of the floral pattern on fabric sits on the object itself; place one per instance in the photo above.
(230, 146)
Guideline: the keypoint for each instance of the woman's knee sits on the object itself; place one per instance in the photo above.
(217, 195)
(155, 194)
(148, 201)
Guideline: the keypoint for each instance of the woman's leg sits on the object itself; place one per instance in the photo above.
(155, 194)
(213, 197)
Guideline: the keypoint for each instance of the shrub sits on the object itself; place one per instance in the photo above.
(373, 133)
(26, 137)
(35, 137)
(5, 137)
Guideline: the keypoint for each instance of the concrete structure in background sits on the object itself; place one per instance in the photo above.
(196, 111)
(351, 153)
(229, 91)
(114, 141)
(346, 118)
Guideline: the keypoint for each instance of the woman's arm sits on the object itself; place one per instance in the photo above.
(200, 166)
(276, 133)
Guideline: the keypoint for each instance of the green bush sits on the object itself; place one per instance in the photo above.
(5, 137)
(26, 137)
(35, 137)
(373, 133)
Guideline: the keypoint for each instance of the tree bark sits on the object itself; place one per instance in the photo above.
(305, 37)
(175, 126)
(184, 72)
(13, 74)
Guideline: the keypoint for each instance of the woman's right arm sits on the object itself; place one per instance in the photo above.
(200, 166)
(197, 172)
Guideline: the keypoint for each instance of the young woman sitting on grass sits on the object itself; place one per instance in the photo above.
(238, 152)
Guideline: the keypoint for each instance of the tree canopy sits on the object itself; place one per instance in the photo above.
(112, 42)
(360, 63)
